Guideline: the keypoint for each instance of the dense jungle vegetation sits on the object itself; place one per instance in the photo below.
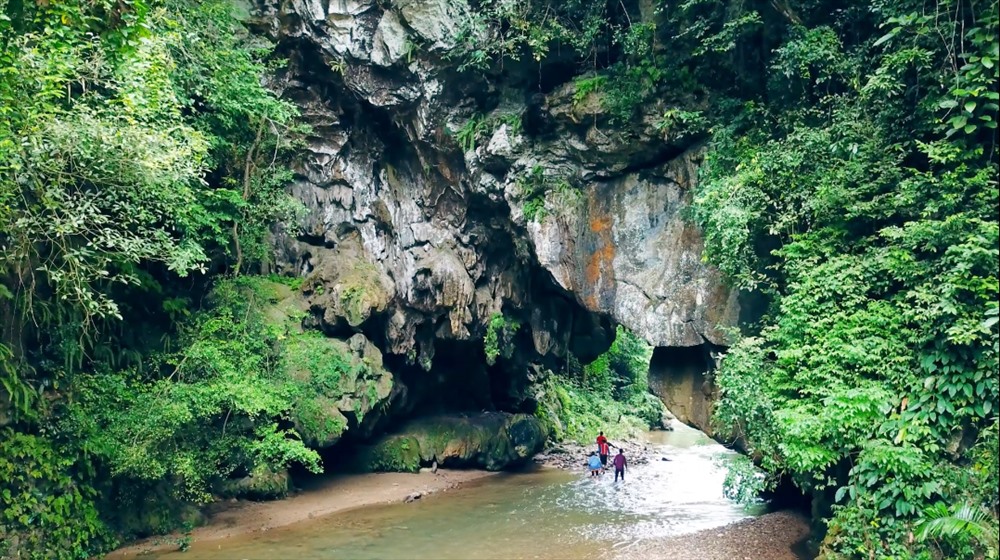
(850, 176)
(140, 156)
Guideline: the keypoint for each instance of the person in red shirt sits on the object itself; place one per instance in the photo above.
(620, 465)
(603, 449)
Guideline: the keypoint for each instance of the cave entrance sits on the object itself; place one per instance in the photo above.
(682, 377)
(458, 381)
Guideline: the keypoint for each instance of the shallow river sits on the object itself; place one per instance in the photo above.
(544, 514)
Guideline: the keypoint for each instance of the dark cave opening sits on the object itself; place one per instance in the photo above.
(682, 377)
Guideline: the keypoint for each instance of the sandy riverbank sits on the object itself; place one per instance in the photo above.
(340, 493)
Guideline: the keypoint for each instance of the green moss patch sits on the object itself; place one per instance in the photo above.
(491, 441)
(400, 453)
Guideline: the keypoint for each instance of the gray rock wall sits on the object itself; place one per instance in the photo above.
(553, 215)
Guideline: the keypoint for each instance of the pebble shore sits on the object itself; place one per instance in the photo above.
(573, 456)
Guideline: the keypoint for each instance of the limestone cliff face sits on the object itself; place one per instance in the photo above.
(437, 199)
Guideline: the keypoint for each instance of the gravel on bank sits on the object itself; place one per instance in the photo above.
(774, 536)
(573, 456)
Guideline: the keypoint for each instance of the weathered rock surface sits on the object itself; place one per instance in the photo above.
(683, 379)
(438, 199)
(625, 251)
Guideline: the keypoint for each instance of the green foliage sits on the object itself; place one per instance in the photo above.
(470, 132)
(512, 120)
(622, 372)
(138, 146)
(602, 36)
(610, 394)
(587, 86)
(127, 146)
(46, 510)
(578, 414)
(534, 209)
(536, 190)
(679, 123)
(211, 415)
(499, 337)
(962, 522)
(497, 31)
(479, 127)
(744, 482)
(321, 373)
(848, 187)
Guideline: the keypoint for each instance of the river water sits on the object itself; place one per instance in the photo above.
(537, 514)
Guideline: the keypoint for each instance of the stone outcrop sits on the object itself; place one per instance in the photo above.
(438, 199)
(491, 441)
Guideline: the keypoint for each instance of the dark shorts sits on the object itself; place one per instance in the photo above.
(604, 460)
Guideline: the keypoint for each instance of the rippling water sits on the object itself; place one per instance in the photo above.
(542, 514)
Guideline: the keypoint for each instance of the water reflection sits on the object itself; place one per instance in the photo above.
(540, 514)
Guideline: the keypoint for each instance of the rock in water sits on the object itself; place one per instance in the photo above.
(413, 497)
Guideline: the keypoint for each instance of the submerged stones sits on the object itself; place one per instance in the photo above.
(489, 440)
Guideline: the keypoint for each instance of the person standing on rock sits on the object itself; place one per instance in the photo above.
(603, 449)
(620, 464)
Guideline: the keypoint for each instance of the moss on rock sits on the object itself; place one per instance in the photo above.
(492, 440)
(400, 453)
(348, 286)
(262, 484)
(335, 384)
(318, 421)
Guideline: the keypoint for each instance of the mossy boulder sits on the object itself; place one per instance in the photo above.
(492, 441)
(398, 453)
(141, 509)
(262, 484)
(336, 384)
(318, 421)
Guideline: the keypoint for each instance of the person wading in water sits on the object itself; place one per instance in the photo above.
(604, 449)
(620, 464)
(594, 464)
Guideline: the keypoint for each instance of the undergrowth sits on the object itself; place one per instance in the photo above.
(610, 394)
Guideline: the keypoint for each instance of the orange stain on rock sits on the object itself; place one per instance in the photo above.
(599, 272)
